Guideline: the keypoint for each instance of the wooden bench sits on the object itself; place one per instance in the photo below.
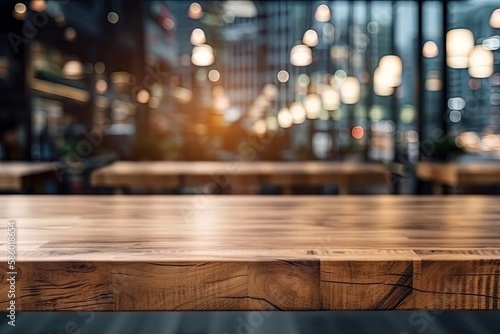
(147, 174)
(458, 174)
(16, 176)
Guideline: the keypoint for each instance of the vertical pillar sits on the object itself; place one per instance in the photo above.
(350, 21)
(369, 70)
(444, 70)
(393, 103)
(420, 86)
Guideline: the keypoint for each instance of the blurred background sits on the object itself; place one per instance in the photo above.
(365, 81)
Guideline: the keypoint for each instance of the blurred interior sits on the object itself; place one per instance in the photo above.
(86, 83)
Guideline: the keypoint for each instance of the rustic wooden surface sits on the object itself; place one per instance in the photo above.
(459, 174)
(18, 175)
(162, 174)
(254, 253)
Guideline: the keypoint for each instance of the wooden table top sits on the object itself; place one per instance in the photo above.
(454, 173)
(254, 253)
(173, 173)
(16, 175)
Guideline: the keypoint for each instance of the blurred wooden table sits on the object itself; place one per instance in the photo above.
(120, 253)
(16, 176)
(124, 174)
(458, 174)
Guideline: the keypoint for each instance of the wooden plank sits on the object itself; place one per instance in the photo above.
(130, 253)
(61, 286)
(367, 285)
(458, 280)
(284, 285)
(180, 286)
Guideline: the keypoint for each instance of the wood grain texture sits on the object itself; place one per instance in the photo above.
(127, 253)
(284, 285)
(459, 174)
(63, 286)
(182, 286)
(444, 281)
(238, 173)
(16, 176)
(377, 285)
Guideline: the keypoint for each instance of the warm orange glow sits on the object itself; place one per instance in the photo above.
(383, 83)
(357, 132)
(20, 8)
(322, 13)
(101, 86)
(430, 49)
(218, 91)
(298, 112)
(202, 55)
(260, 127)
(214, 75)
(195, 11)
(330, 98)
(310, 38)
(182, 95)
(481, 62)
(300, 55)
(270, 91)
(19, 12)
(495, 19)
(350, 90)
(285, 118)
(222, 103)
(143, 96)
(459, 44)
(197, 37)
(154, 102)
(73, 69)
(60, 19)
(120, 77)
(392, 66)
(60, 90)
(168, 23)
(38, 5)
(262, 102)
(433, 82)
(468, 140)
(312, 104)
(272, 123)
(70, 34)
